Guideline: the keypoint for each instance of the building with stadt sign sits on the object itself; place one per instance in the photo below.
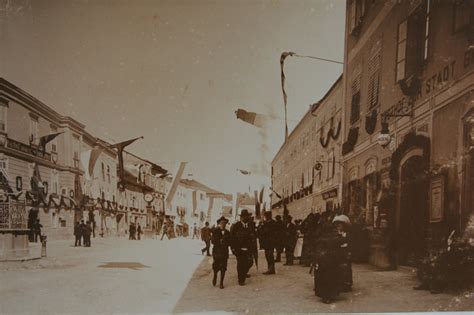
(307, 170)
(408, 134)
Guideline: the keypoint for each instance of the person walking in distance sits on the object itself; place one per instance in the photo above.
(291, 236)
(267, 235)
(139, 231)
(195, 231)
(165, 231)
(206, 237)
(242, 236)
(131, 231)
(77, 234)
(220, 250)
(280, 229)
(82, 229)
(37, 229)
(87, 234)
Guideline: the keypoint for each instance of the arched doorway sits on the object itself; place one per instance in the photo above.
(412, 210)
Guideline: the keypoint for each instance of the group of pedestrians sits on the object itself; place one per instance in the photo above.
(326, 248)
(135, 231)
(82, 233)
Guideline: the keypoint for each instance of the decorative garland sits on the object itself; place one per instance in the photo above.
(333, 134)
(352, 137)
(371, 122)
(411, 140)
(330, 134)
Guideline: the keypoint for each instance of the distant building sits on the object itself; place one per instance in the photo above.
(48, 176)
(307, 170)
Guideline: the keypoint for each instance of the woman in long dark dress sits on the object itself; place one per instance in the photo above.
(220, 250)
(327, 280)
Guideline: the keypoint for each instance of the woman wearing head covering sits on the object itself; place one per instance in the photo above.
(220, 250)
(327, 279)
(342, 224)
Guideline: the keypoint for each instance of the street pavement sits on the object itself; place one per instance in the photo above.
(290, 291)
(118, 276)
(114, 276)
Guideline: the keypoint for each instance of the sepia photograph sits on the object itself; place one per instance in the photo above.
(236, 156)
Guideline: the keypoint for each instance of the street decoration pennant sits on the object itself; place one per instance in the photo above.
(257, 120)
(89, 159)
(285, 97)
(44, 140)
(174, 185)
(244, 172)
(120, 147)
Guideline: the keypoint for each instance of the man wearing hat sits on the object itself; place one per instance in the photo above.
(220, 250)
(291, 236)
(280, 227)
(242, 236)
(206, 238)
(267, 234)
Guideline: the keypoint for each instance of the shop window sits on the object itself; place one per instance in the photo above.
(413, 42)
(374, 75)
(463, 14)
(3, 118)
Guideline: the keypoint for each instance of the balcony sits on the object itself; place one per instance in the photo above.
(13, 215)
(32, 149)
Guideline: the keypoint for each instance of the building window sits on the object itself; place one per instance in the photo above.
(356, 15)
(75, 149)
(462, 14)
(54, 182)
(34, 130)
(355, 92)
(54, 142)
(374, 75)
(108, 173)
(413, 42)
(103, 171)
(3, 118)
(4, 168)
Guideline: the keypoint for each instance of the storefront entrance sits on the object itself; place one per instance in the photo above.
(412, 210)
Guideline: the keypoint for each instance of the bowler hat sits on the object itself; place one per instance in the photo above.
(222, 219)
(245, 213)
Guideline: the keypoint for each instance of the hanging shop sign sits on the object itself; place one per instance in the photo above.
(330, 194)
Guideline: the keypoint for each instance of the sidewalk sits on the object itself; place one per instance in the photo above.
(290, 290)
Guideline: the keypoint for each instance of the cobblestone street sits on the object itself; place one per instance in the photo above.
(290, 290)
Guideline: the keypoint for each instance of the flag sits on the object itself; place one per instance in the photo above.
(174, 185)
(285, 97)
(257, 205)
(120, 147)
(36, 182)
(276, 194)
(260, 199)
(44, 140)
(258, 120)
(244, 172)
(89, 159)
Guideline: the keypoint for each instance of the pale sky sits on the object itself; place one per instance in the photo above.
(175, 72)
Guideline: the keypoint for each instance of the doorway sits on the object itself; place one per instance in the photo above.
(413, 206)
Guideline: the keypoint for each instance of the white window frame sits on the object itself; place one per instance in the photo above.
(402, 42)
(34, 130)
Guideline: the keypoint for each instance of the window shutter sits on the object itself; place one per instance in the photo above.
(415, 41)
(355, 88)
(374, 75)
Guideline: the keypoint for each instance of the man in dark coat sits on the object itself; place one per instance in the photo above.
(77, 234)
(220, 250)
(139, 231)
(87, 234)
(280, 227)
(37, 229)
(290, 238)
(242, 236)
(310, 230)
(206, 237)
(267, 234)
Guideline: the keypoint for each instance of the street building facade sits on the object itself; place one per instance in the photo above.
(307, 170)
(408, 125)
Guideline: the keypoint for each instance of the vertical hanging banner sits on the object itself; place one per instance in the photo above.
(285, 97)
(174, 185)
